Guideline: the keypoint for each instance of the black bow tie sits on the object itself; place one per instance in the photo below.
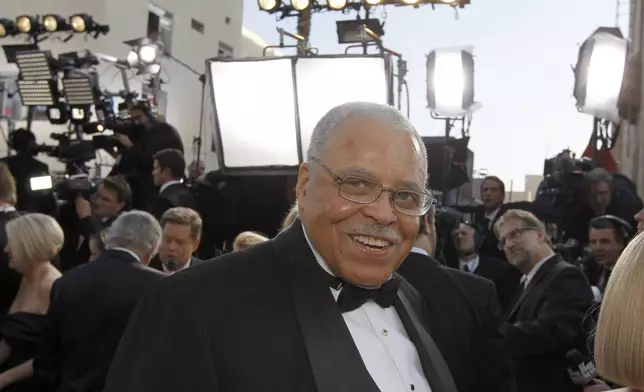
(352, 297)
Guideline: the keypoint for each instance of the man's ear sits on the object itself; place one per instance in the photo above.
(301, 186)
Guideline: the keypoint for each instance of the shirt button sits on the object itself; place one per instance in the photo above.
(384, 332)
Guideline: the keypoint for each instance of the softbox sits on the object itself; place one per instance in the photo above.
(266, 108)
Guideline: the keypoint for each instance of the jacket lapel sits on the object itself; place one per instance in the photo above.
(335, 361)
(541, 273)
(434, 366)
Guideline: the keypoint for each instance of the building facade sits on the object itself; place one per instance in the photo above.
(192, 31)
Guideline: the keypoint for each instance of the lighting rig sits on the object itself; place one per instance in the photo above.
(599, 74)
(450, 97)
(40, 28)
(293, 7)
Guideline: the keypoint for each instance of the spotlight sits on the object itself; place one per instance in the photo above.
(37, 92)
(57, 114)
(27, 24)
(268, 5)
(350, 31)
(34, 65)
(599, 73)
(411, 1)
(148, 53)
(300, 5)
(450, 82)
(7, 27)
(132, 58)
(336, 4)
(81, 22)
(53, 23)
(373, 2)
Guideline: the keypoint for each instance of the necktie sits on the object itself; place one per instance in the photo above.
(466, 268)
(352, 297)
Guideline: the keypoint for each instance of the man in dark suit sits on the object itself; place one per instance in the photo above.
(545, 321)
(484, 362)
(168, 172)
(9, 278)
(179, 240)
(90, 306)
(468, 238)
(318, 308)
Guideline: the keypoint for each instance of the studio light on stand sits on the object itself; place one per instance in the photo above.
(599, 73)
(265, 108)
(450, 97)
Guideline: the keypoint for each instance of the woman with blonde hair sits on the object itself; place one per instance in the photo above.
(247, 239)
(289, 218)
(619, 338)
(33, 240)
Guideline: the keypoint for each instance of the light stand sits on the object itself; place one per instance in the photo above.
(302, 45)
(450, 123)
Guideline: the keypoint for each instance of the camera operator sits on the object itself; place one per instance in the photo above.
(608, 237)
(605, 196)
(23, 167)
(112, 197)
(168, 170)
(137, 150)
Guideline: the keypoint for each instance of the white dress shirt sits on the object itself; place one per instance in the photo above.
(472, 265)
(491, 217)
(167, 184)
(525, 279)
(386, 350)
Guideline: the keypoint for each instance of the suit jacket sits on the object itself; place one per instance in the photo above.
(9, 278)
(545, 321)
(466, 323)
(89, 309)
(156, 263)
(76, 249)
(263, 319)
(175, 195)
(506, 278)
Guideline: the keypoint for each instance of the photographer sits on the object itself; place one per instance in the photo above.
(168, 170)
(110, 200)
(148, 136)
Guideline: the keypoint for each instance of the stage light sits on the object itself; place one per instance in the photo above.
(355, 79)
(300, 5)
(449, 1)
(265, 109)
(450, 82)
(37, 92)
(336, 4)
(350, 31)
(268, 5)
(58, 113)
(53, 23)
(27, 24)
(132, 58)
(373, 2)
(412, 2)
(78, 91)
(7, 28)
(34, 65)
(148, 53)
(599, 73)
(40, 183)
(81, 22)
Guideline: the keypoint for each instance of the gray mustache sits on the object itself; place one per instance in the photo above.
(377, 231)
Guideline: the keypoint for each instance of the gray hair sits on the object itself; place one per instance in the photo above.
(598, 174)
(331, 120)
(135, 231)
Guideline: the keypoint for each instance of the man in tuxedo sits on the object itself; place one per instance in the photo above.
(484, 362)
(179, 240)
(318, 308)
(90, 306)
(168, 172)
(468, 238)
(9, 278)
(545, 321)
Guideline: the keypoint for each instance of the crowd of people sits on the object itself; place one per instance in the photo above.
(353, 294)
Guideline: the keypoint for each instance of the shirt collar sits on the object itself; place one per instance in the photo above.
(318, 256)
(418, 250)
(472, 264)
(169, 183)
(534, 269)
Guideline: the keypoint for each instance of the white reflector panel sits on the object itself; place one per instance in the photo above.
(256, 112)
(324, 83)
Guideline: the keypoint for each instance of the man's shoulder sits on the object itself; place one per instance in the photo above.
(466, 279)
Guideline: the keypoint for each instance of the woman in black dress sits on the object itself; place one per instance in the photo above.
(33, 240)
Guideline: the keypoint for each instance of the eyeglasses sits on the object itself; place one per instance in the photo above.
(364, 191)
(513, 235)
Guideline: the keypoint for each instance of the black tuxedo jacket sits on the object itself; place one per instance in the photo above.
(545, 321)
(506, 278)
(465, 321)
(175, 195)
(263, 319)
(89, 309)
(156, 263)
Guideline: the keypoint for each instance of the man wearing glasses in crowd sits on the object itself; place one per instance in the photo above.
(320, 307)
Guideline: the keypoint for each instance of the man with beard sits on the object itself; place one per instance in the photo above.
(545, 320)
(319, 307)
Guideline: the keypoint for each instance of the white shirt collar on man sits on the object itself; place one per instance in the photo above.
(420, 251)
(382, 341)
(472, 264)
(167, 184)
(128, 251)
(491, 217)
(527, 278)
